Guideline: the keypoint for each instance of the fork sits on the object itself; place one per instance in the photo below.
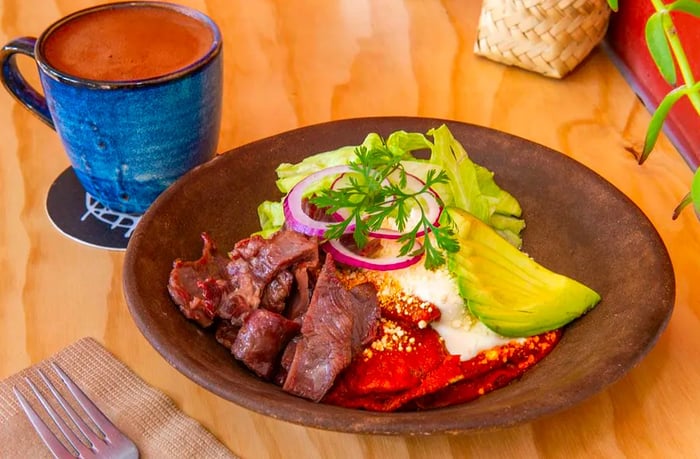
(104, 442)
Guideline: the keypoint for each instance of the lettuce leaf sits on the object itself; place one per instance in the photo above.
(472, 187)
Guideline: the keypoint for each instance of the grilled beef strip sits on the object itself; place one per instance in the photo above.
(280, 312)
(275, 294)
(256, 262)
(334, 328)
(261, 339)
(197, 286)
(230, 287)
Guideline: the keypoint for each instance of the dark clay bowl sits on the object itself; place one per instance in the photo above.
(577, 224)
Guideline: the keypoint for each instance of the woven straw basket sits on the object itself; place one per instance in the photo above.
(550, 37)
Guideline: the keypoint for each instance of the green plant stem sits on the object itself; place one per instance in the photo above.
(679, 53)
(689, 88)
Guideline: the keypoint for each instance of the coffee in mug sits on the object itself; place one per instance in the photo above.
(134, 92)
(121, 44)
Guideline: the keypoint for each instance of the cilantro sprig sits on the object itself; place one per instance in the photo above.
(378, 190)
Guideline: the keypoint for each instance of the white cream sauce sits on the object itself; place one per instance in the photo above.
(463, 333)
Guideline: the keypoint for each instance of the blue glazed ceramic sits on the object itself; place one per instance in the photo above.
(129, 140)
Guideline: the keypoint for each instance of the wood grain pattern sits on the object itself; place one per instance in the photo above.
(295, 63)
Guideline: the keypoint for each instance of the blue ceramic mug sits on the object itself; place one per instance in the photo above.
(134, 92)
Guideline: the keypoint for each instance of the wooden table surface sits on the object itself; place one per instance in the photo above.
(296, 63)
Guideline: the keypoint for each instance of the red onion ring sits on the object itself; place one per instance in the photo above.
(293, 208)
(342, 254)
(299, 221)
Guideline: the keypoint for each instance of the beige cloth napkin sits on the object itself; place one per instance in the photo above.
(146, 415)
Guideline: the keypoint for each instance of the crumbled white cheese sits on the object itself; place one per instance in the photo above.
(462, 333)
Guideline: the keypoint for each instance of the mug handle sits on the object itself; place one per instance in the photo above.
(16, 84)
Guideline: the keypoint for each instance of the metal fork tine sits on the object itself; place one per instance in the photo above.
(110, 431)
(72, 438)
(86, 430)
(108, 443)
(52, 442)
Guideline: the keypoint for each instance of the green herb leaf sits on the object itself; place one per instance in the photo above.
(613, 4)
(376, 190)
(695, 191)
(655, 33)
(657, 120)
(691, 7)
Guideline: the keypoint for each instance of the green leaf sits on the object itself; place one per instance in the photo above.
(695, 191)
(657, 120)
(271, 216)
(400, 142)
(687, 199)
(658, 45)
(691, 7)
(612, 4)
(380, 191)
(693, 197)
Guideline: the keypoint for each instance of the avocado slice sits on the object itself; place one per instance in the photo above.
(507, 290)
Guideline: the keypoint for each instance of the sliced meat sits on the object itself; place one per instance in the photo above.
(198, 286)
(261, 339)
(243, 293)
(333, 329)
(283, 249)
(286, 360)
(249, 293)
(248, 248)
(299, 299)
(366, 327)
(274, 297)
(256, 263)
(226, 333)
